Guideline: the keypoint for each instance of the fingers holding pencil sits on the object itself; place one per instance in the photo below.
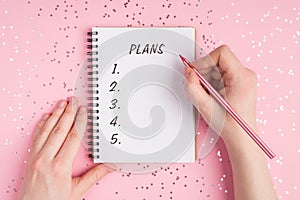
(196, 93)
(223, 58)
(240, 89)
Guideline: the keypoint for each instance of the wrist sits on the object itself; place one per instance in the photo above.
(237, 138)
(238, 143)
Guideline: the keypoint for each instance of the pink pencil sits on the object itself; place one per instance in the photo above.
(230, 110)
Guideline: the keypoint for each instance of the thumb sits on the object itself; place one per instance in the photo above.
(197, 94)
(90, 178)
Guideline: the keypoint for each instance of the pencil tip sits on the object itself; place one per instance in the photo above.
(182, 58)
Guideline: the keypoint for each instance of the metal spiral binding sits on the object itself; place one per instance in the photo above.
(93, 91)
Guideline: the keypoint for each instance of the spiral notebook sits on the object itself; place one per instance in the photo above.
(139, 111)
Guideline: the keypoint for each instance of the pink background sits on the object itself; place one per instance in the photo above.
(42, 47)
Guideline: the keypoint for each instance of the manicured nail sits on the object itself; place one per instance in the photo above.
(74, 101)
(186, 72)
(46, 116)
(82, 110)
(111, 169)
(62, 104)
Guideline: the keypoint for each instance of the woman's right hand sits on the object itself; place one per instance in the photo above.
(251, 177)
(234, 82)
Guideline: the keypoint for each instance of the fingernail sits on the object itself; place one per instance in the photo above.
(186, 72)
(82, 110)
(46, 116)
(111, 169)
(74, 101)
(62, 104)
